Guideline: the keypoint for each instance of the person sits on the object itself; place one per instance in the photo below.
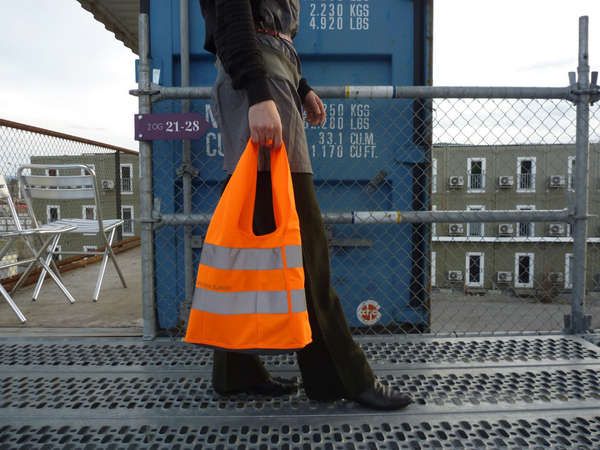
(259, 93)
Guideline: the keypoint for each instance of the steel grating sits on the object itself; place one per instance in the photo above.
(183, 392)
(593, 338)
(385, 352)
(576, 432)
(107, 393)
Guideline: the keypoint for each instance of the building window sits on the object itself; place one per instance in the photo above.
(569, 270)
(524, 270)
(88, 212)
(433, 269)
(52, 213)
(476, 174)
(87, 172)
(475, 229)
(127, 216)
(474, 269)
(433, 224)
(126, 179)
(89, 248)
(526, 174)
(434, 176)
(571, 173)
(525, 229)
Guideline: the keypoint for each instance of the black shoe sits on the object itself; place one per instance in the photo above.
(382, 397)
(288, 381)
(270, 388)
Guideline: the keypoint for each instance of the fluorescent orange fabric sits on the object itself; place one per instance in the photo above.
(250, 289)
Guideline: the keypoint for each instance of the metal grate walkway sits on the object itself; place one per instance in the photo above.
(108, 393)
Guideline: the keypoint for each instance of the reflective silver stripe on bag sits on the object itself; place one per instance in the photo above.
(228, 258)
(248, 302)
(293, 256)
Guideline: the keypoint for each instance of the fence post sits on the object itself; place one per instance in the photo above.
(578, 322)
(186, 170)
(118, 200)
(146, 201)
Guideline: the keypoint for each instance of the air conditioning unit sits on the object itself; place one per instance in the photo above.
(556, 229)
(557, 181)
(505, 181)
(506, 229)
(456, 182)
(456, 229)
(455, 275)
(107, 184)
(503, 277)
(556, 277)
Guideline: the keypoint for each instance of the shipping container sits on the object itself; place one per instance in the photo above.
(370, 155)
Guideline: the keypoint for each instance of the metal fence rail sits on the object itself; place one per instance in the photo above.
(499, 234)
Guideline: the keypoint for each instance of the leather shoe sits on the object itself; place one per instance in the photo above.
(269, 388)
(382, 397)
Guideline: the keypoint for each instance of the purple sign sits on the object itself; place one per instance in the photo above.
(151, 127)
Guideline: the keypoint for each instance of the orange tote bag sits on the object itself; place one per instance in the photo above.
(249, 292)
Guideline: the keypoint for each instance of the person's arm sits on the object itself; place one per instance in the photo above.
(237, 48)
(235, 41)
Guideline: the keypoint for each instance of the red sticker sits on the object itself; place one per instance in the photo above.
(368, 312)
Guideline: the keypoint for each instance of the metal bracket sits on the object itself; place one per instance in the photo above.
(149, 220)
(140, 92)
(156, 215)
(593, 90)
(594, 85)
(569, 326)
(187, 169)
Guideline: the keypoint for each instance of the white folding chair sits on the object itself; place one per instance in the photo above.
(38, 240)
(72, 187)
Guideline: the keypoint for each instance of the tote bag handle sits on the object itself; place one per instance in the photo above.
(236, 206)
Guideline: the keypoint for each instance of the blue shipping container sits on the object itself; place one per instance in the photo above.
(370, 155)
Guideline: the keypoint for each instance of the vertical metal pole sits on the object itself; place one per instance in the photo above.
(186, 169)
(578, 322)
(147, 236)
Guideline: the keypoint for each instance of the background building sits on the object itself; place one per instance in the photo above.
(518, 256)
(119, 195)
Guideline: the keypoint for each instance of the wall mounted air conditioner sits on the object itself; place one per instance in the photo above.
(455, 275)
(556, 229)
(505, 181)
(503, 277)
(456, 229)
(456, 182)
(506, 229)
(107, 184)
(557, 181)
(556, 277)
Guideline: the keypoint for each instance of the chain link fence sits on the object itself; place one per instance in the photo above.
(443, 278)
(116, 170)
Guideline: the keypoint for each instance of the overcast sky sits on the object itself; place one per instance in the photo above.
(60, 69)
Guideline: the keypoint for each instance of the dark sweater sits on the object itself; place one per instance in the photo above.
(231, 34)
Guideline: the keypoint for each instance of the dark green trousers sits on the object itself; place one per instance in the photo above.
(333, 365)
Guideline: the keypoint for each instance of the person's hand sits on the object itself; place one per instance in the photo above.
(265, 124)
(315, 110)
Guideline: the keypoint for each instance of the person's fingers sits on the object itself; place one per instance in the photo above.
(254, 136)
(264, 136)
(277, 138)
